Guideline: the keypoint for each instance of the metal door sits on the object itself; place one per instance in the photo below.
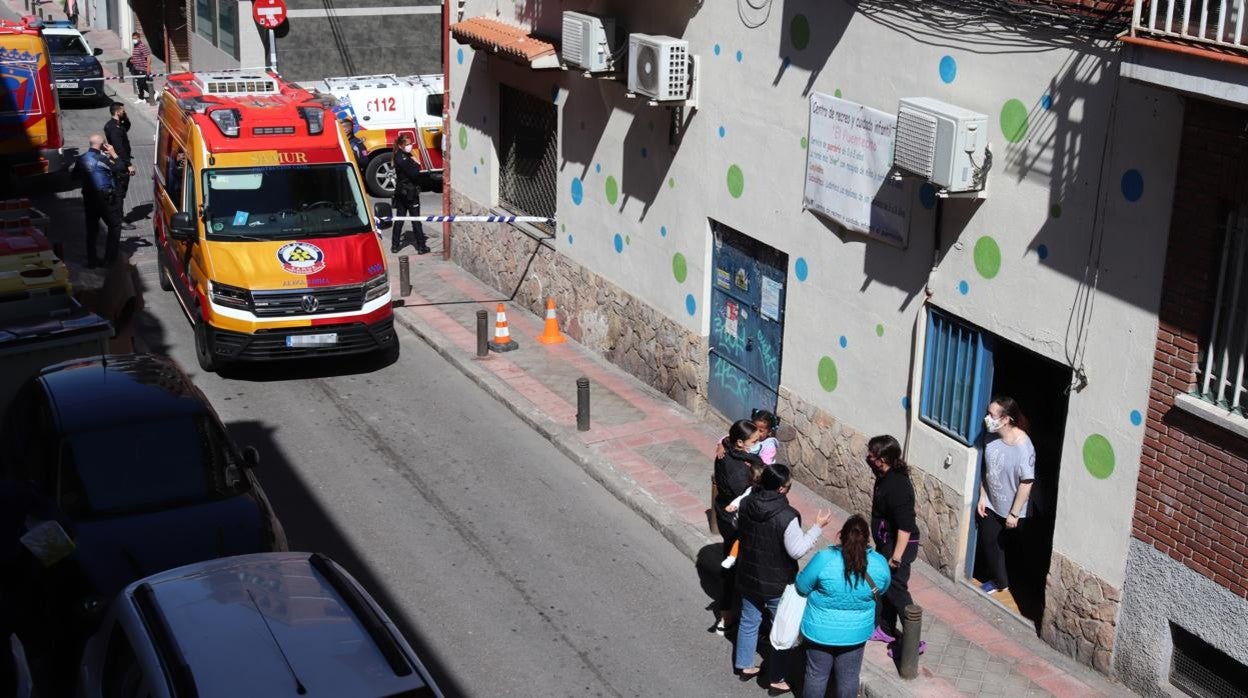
(747, 323)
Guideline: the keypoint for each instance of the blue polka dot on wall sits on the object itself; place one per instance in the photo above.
(722, 132)
(948, 69)
(905, 402)
(843, 342)
(598, 167)
(800, 269)
(717, 49)
(474, 169)
(1136, 418)
(740, 56)
(578, 191)
(1042, 251)
(964, 288)
(459, 56)
(1132, 185)
(691, 305)
(644, 152)
(927, 195)
(619, 242)
(663, 231)
(569, 238)
(1046, 102)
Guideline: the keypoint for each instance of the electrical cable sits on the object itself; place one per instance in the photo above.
(760, 7)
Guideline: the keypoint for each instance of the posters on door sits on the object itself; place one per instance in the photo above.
(848, 160)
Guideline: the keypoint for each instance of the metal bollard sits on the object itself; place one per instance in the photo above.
(911, 629)
(405, 278)
(483, 333)
(582, 404)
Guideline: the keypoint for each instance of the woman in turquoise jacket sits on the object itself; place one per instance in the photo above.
(842, 585)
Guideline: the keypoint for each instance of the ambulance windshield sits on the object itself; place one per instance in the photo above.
(283, 202)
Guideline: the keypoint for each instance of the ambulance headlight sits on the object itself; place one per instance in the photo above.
(226, 120)
(315, 116)
(376, 287)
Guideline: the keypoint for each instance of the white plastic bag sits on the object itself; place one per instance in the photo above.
(786, 629)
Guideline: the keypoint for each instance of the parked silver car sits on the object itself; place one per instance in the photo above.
(269, 624)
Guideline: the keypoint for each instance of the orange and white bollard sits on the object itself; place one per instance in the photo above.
(502, 335)
(550, 333)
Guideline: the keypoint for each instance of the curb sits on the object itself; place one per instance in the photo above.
(686, 538)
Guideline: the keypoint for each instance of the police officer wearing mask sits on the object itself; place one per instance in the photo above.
(97, 170)
(407, 194)
(117, 130)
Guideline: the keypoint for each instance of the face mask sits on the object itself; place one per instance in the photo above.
(993, 425)
(756, 448)
(407, 148)
(136, 42)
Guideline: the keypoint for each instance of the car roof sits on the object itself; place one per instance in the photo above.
(63, 30)
(106, 391)
(298, 620)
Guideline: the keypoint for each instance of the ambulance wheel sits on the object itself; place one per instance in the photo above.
(379, 175)
(203, 348)
(162, 272)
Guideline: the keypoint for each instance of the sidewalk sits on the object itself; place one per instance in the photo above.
(656, 457)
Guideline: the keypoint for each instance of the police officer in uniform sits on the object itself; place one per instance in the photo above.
(117, 130)
(97, 171)
(407, 194)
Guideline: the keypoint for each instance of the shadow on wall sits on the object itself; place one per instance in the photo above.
(663, 18)
(476, 105)
(586, 110)
(647, 154)
(811, 30)
(311, 528)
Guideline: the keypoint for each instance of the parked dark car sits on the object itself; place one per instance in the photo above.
(140, 467)
(75, 69)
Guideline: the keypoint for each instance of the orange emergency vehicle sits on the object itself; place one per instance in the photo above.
(262, 225)
(31, 141)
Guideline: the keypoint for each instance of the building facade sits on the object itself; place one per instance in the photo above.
(685, 250)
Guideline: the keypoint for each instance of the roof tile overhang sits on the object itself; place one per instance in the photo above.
(506, 41)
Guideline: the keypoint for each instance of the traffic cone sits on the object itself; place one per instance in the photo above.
(502, 336)
(550, 333)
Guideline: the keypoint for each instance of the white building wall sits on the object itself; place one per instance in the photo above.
(1088, 147)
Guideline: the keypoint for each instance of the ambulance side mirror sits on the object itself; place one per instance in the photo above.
(382, 212)
(182, 227)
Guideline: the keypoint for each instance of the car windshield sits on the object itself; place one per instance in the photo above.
(145, 466)
(65, 45)
(285, 201)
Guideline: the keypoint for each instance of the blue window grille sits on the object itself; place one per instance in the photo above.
(957, 375)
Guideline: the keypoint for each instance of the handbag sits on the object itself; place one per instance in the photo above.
(786, 628)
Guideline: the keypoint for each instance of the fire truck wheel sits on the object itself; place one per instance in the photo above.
(379, 175)
(203, 347)
(162, 271)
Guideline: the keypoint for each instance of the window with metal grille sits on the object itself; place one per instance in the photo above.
(957, 374)
(528, 147)
(1222, 364)
(1202, 670)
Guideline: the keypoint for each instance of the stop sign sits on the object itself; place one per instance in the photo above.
(269, 14)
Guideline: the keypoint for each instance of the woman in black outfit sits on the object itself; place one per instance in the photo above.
(407, 194)
(893, 527)
(732, 477)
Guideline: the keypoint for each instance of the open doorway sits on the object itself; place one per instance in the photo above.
(1039, 386)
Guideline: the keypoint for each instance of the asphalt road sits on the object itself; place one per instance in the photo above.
(513, 571)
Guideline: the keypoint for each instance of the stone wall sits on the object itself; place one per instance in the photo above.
(829, 456)
(595, 312)
(1080, 613)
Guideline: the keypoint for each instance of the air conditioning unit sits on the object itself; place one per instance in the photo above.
(588, 42)
(943, 144)
(658, 67)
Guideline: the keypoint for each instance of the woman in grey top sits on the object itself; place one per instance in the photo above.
(1009, 471)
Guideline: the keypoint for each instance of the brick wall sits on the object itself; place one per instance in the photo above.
(1191, 501)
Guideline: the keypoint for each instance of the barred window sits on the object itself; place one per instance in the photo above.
(528, 141)
(1222, 365)
(957, 373)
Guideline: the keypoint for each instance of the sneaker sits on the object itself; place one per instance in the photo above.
(990, 588)
(729, 562)
(139, 100)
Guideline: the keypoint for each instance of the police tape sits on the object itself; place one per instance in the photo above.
(471, 219)
(137, 77)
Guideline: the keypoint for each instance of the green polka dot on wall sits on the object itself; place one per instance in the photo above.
(805, 143)
(463, 138)
(799, 31)
(671, 182)
(613, 190)
(879, 330)
(1098, 456)
(1014, 121)
(736, 181)
(987, 257)
(827, 373)
(680, 268)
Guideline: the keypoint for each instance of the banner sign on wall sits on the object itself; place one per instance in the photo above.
(848, 158)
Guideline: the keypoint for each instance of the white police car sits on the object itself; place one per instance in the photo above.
(75, 69)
